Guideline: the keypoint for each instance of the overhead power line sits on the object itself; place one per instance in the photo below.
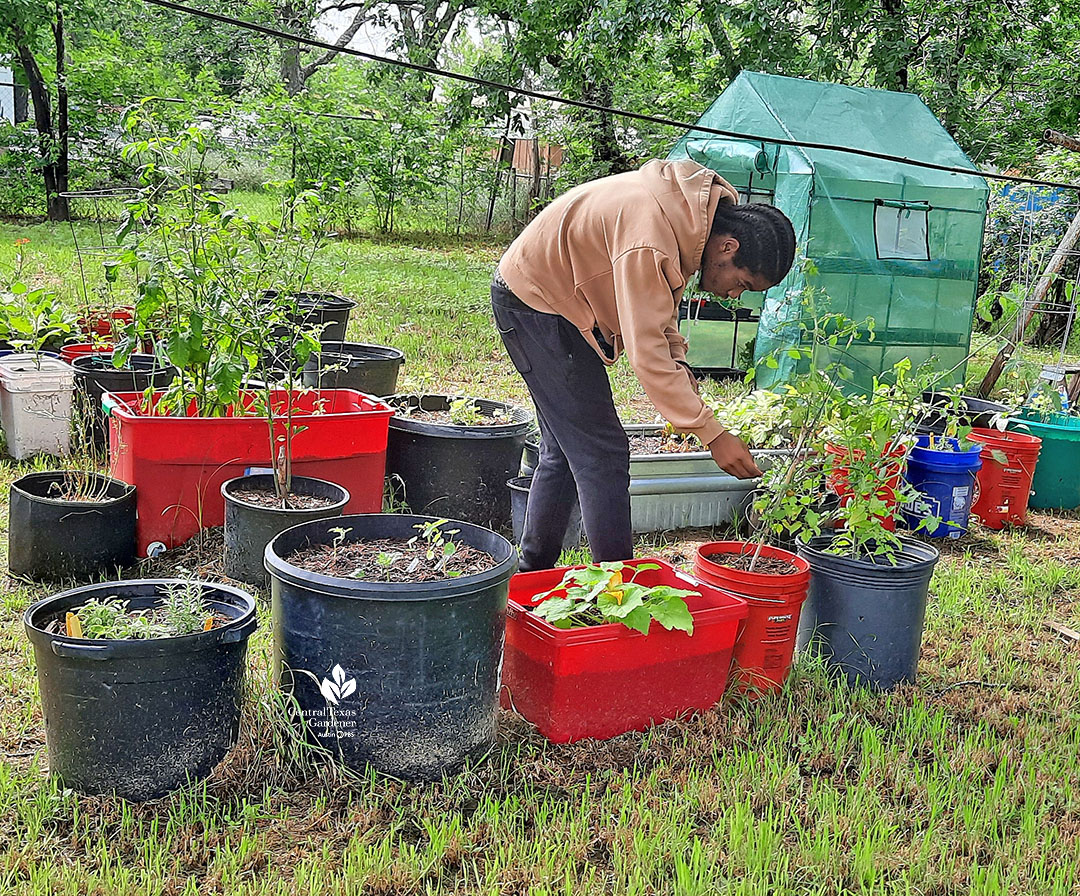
(277, 34)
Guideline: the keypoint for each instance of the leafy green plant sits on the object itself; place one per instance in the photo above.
(603, 592)
(180, 610)
(32, 318)
(220, 290)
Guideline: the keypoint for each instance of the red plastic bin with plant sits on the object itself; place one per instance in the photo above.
(178, 464)
(601, 680)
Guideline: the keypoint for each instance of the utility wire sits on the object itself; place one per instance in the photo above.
(592, 107)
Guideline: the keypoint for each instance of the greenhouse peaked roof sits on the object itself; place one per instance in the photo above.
(881, 121)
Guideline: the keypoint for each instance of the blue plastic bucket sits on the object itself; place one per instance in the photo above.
(946, 479)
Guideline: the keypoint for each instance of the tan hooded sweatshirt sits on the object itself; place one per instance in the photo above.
(617, 253)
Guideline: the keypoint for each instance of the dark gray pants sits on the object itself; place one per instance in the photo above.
(583, 447)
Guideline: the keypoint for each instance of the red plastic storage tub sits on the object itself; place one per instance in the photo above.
(604, 680)
(178, 464)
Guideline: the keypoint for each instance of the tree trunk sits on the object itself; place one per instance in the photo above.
(54, 172)
(59, 208)
(893, 31)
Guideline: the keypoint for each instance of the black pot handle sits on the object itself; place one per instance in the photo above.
(80, 651)
(241, 632)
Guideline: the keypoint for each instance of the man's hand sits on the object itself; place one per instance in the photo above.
(732, 456)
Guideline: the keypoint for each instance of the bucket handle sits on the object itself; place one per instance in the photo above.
(82, 651)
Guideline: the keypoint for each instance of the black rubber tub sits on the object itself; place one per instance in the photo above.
(250, 527)
(51, 538)
(403, 677)
(973, 411)
(865, 619)
(452, 470)
(326, 313)
(95, 375)
(519, 501)
(140, 718)
(371, 369)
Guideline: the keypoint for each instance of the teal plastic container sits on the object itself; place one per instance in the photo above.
(1056, 484)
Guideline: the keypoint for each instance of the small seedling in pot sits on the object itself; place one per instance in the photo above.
(466, 412)
(440, 547)
(339, 538)
(604, 592)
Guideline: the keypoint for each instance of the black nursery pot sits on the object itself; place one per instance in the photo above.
(95, 375)
(457, 471)
(865, 619)
(371, 369)
(975, 412)
(53, 539)
(403, 677)
(249, 527)
(327, 312)
(140, 718)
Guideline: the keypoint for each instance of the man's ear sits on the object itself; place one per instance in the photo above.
(728, 246)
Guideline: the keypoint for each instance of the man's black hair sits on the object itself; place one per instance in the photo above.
(766, 238)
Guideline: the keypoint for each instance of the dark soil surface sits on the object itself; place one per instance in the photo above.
(390, 560)
(266, 497)
(663, 445)
(766, 566)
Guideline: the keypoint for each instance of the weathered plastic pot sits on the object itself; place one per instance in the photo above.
(865, 620)
(35, 405)
(371, 369)
(456, 471)
(973, 411)
(401, 676)
(52, 538)
(140, 718)
(249, 527)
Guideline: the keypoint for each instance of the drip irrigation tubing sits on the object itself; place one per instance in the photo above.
(277, 34)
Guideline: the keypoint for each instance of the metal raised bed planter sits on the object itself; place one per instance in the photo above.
(679, 490)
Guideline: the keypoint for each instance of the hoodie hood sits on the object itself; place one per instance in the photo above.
(688, 196)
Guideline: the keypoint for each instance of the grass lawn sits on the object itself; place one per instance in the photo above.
(966, 783)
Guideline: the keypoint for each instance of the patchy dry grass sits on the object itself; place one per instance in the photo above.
(967, 783)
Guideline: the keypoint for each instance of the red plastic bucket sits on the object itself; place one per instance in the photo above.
(603, 680)
(838, 469)
(765, 645)
(77, 350)
(1004, 482)
(104, 323)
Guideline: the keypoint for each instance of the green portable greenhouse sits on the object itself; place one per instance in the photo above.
(890, 240)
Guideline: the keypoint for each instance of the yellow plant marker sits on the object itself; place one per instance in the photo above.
(72, 625)
(209, 624)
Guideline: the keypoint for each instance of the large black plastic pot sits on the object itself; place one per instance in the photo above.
(249, 527)
(865, 619)
(95, 375)
(53, 539)
(519, 502)
(456, 471)
(329, 314)
(371, 369)
(974, 412)
(140, 718)
(402, 676)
